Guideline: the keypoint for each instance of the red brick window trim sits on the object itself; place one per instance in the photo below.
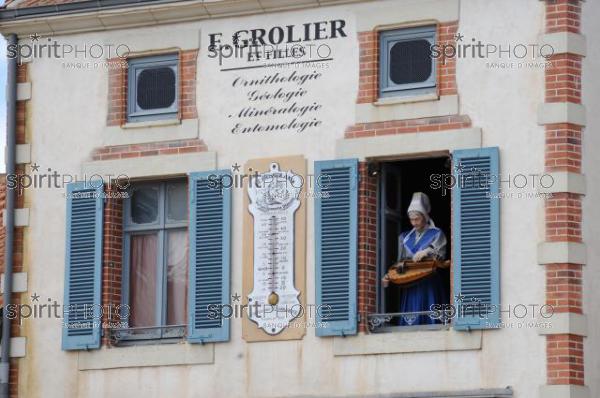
(112, 262)
(118, 86)
(429, 124)
(149, 149)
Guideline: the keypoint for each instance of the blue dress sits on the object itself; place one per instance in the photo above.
(422, 294)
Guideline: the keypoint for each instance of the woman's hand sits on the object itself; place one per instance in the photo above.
(420, 255)
(385, 281)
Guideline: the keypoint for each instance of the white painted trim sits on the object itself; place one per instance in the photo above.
(146, 355)
(392, 13)
(565, 42)
(564, 391)
(153, 166)
(18, 347)
(148, 132)
(21, 217)
(405, 342)
(415, 108)
(23, 153)
(561, 112)
(563, 181)
(152, 15)
(23, 91)
(566, 323)
(19, 283)
(408, 143)
(561, 252)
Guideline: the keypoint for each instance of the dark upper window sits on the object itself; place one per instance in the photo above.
(406, 63)
(152, 88)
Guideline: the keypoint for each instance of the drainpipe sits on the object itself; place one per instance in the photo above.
(11, 122)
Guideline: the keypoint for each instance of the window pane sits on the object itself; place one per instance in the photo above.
(156, 88)
(142, 280)
(410, 61)
(177, 266)
(177, 201)
(144, 205)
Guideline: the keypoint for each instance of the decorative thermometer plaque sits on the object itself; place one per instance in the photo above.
(274, 198)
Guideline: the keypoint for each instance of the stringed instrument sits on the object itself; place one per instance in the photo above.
(408, 271)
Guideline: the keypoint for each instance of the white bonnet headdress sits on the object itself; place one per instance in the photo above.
(420, 203)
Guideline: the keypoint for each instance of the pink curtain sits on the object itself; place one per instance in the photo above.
(177, 265)
(142, 281)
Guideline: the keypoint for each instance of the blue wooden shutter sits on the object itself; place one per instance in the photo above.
(336, 206)
(476, 238)
(209, 231)
(83, 266)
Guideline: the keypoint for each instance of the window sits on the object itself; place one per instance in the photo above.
(156, 260)
(398, 181)
(153, 88)
(171, 271)
(406, 63)
(346, 236)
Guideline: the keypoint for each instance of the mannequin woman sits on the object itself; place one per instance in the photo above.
(424, 241)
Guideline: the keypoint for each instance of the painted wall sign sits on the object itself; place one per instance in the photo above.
(276, 74)
(254, 38)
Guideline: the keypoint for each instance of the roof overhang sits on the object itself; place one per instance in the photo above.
(89, 16)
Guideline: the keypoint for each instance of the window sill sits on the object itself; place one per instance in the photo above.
(150, 131)
(152, 123)
(400, 108)
(148, 335)
(410, 341)
(146, 355)
(384, 101)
